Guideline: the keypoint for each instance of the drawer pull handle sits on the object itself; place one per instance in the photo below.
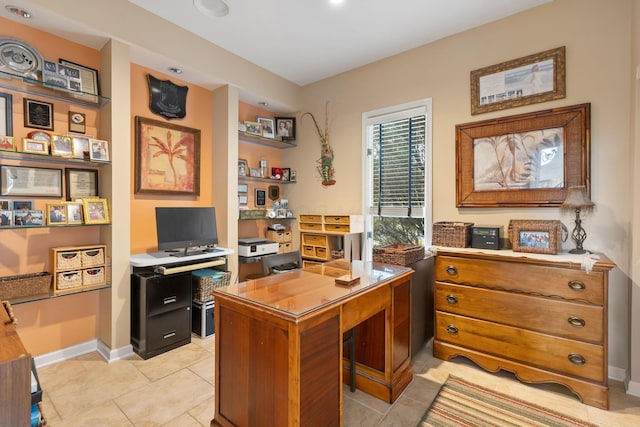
(576, 322)
(576, 359)
(169, 335)
(452, 299)
(170, 300)
(452, 270)
(452, 330)
(577, 285)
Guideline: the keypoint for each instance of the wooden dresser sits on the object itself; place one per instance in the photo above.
(545, 321)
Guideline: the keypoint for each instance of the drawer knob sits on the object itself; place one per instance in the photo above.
(452, 270)
(576, 322)
(452, 330)
(576, 359)
(452, 299)
(577, 285)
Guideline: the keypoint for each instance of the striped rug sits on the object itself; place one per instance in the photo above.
(460, 403)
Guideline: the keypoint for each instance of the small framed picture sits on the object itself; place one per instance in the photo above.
(536, 236)
(99, 150)
(61, 146)
(254, 172)
(38, 114)
(77, 122)
(292, 176)
(7, 143)
(34, 146)
(22, 205)
(80, 146)
(56, 214)
(96, 211)
(243, 199)
(28, 218)
(74, 213)
(6, 205)
(286, 174)
(261, 197)
(285, 128)
(40, 135)
(6, 218)
(267, 126)
(253, 128)
(243, 167)
(276, 173)
(243, 188)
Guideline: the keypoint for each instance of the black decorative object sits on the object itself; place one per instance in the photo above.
(167, 99)
(578, 200)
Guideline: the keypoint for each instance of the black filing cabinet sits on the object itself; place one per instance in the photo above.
(160, 311)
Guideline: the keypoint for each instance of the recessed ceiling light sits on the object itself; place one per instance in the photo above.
(336, 1)
(18, 11)
(264, 104)
(216, 8)
(175, 70)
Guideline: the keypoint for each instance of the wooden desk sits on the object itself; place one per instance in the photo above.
(279, 356)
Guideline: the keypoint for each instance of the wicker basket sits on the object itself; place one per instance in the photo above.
(206, 280)
(452, 234)
(93, 276)
(69, 280)
(398, 254)
(69, 260)
(24, 285)
(92, 257)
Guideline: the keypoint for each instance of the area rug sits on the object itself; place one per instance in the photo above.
(460, 403)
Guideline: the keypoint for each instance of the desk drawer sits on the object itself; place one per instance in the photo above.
(311, 218)
(314, 239)
(168, 294)
(337, 228)
(310, 226)
(337, 219)
(168, 328)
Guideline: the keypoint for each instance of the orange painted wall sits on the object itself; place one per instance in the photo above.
(56, 323)
(199, 116)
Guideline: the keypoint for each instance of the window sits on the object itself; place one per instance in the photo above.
(398, 175)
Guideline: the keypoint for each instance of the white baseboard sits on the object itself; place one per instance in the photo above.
(633, 388)
(617, 374)
(83, 348)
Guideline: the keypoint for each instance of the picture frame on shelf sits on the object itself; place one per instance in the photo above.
(56, 214)
(254, 172)
(80, 145)
(23, 205)
(267, 125)
(34, 146)
(536, 236)
(61, 146)
(285, 128)
(6, 218)
(6, 114)
(38, 114)
(98, 150)
(40, 135)
(525, 160)
(7, 143)
(74, 213)
(253, 128)
(243, 199)
(95, 211)
(276, 173)
(28, 218)
(243, 188)
(6, 205)
(167, 159)
(28, 181)
(88, 79)
(286, 174)
(77, 122)
(531, 79)
(243, 167)
(81, 183)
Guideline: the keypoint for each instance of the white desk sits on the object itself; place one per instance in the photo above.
(150, 259)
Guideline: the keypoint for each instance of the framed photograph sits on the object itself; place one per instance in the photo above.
(276, 173)
(80, 183)
(30, 181)
(77, 122)
(243, 167)
(254, 172)
(6, 218)
(7, 143)
(28, 218)
(56, 214)
(242, 199)
(6, 205)
(40, 135)
(6, 114)
(23, 205)
(527, 160)
(74, 213)
(542, 237)
(261, 197)
(523, 81)
(167, 158)
(243, 188)
(98, 150)
(95, 211)
(286, 174)
(253, 128)
(88, 81)
(38, 114)
(61, 146)
(80, 146)
(267, 126)
(285, 128)
(34, 146)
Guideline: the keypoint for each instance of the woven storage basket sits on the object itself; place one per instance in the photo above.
(68, 260)
(93, 276)
(205, 281)
(452, 234)
(69, 279)
(92, 257)
(24, 285)
(398, 254)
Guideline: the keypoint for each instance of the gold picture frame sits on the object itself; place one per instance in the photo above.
(56, 214)
(74, 213)
(536, 236)
(34, 146)
(534, 78)
(61, 145)
(95, 211)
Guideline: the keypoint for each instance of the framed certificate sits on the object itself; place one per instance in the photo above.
(80, 183)
(30, 181)
(38, 114)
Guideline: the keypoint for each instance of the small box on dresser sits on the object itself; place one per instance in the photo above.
(77, 268)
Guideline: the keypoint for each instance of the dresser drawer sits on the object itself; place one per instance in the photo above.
(547, 352)
(584, 322)
(311, 218)
(516, 275)
(308, 251)
(168, 328)
(314, 239)
(170, 294)
(337, 228)
(337, 219)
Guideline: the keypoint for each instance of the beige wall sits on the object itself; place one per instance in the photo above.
(597, 39)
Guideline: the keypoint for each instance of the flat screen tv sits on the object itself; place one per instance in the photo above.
(185, 230)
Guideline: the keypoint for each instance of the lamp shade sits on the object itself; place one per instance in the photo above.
(577, 198)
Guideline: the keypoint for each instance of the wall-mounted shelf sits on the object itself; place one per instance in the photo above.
(258, 179)
(25, 227)
(266, 218)
(47, 158)
(269, 142)
(50, 294)
(31, 86)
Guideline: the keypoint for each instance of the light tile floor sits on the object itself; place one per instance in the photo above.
(176, 389)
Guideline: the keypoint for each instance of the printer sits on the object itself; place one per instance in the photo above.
(256, 246)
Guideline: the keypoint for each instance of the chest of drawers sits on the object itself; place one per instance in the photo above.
(545, 321)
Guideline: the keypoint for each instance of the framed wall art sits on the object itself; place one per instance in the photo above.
(30, 181)
(6, 114)
(167, 158)
(535, 78)
(80, 183)
(38, 114)
(526, 160)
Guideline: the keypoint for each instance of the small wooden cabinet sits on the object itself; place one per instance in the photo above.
(545, 321)
(77, 268)
(327, 237)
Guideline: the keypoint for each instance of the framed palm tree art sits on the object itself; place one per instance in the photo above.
(167, 158)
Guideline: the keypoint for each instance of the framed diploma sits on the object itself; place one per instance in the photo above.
(89, 80)
(81, 183)
(30, 181)
(38, 114)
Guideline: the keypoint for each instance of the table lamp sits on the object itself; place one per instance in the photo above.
(578, 200)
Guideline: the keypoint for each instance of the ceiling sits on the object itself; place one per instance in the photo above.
(302, 41)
